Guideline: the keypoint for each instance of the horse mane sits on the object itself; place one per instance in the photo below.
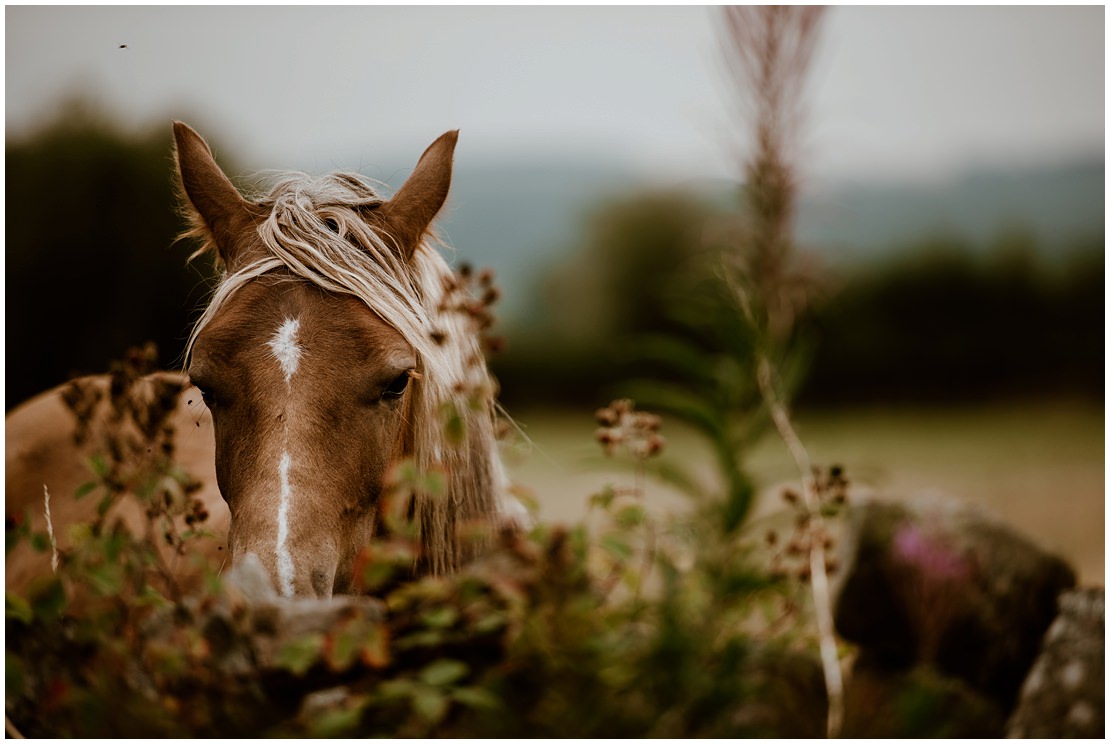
(315, 229)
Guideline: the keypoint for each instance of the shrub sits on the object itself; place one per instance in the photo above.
(623, 625)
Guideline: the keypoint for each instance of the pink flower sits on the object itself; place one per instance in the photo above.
(931, 556)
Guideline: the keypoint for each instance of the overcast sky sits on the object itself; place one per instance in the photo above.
(904, 93)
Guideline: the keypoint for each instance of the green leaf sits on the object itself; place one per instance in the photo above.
(454, 425)
(105, 504)
(299, 654)
(98, 465)
(377, 574)
(688, 360)
(443, 672)
(85, 489)
(106, 579)
(682, 403)
(47, 597)
(14, 676)
(616, 547)
(343, 649)
(395, 689)
(422, 640)
(430, 704)
(11, 539)
(440, 617)
(113, 544)
(434, 483)
(630, 515)
(603, 498)
(335, 723)
(40, 542)
(375, 647)
(737, 504)
(478, 698)
(17, 608)
(80, 534)
(489, 622)
(151, 597)
(677, 476)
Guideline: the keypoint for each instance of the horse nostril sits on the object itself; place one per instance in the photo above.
(321, 583)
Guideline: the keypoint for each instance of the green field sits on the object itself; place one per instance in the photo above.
(1039, 467)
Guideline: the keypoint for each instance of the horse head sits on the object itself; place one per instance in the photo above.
(329, 352)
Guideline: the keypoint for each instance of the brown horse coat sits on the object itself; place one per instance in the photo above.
(41, 451)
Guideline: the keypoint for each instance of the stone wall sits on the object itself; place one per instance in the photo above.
(951, 613)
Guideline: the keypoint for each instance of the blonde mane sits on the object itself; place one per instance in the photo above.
(315, 230)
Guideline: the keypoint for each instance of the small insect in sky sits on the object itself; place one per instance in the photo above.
(122, 46)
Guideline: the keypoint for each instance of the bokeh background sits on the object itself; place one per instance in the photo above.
(952, 175)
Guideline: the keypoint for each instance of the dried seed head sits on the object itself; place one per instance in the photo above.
(491, 295)
(494, 344)
(655, 445)
(607, 416)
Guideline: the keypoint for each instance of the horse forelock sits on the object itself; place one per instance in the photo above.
(316, 229)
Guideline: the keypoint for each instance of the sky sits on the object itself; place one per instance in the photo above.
(896, 92)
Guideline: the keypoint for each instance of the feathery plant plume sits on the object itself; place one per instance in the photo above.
(768, 50)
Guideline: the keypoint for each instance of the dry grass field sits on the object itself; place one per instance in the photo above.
(1039, 467)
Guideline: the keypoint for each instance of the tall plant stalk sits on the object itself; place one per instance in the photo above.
(768, 50)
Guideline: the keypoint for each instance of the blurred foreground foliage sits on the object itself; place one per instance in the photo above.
(619, 626)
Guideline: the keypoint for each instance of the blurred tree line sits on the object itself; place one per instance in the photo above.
(91, 259)
(938, 320)
(942, 321)
(93, 268)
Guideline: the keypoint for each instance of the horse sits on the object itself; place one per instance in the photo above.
(331, 349)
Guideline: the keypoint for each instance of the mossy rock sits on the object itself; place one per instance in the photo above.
(939, 583)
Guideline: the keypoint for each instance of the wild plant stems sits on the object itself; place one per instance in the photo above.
(768, 51)
(819, 579)
(50, 529)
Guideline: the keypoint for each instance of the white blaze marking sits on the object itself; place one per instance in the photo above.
(285, 347)
(287, 351)
(284, 559)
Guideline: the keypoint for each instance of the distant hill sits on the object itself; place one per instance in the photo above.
(520, 218)
(1060, 207)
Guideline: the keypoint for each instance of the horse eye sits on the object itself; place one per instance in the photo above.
(207, 396)
(397, 388)
(206, 392)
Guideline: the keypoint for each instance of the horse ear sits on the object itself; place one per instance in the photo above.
(218, 209)
(411, 210)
